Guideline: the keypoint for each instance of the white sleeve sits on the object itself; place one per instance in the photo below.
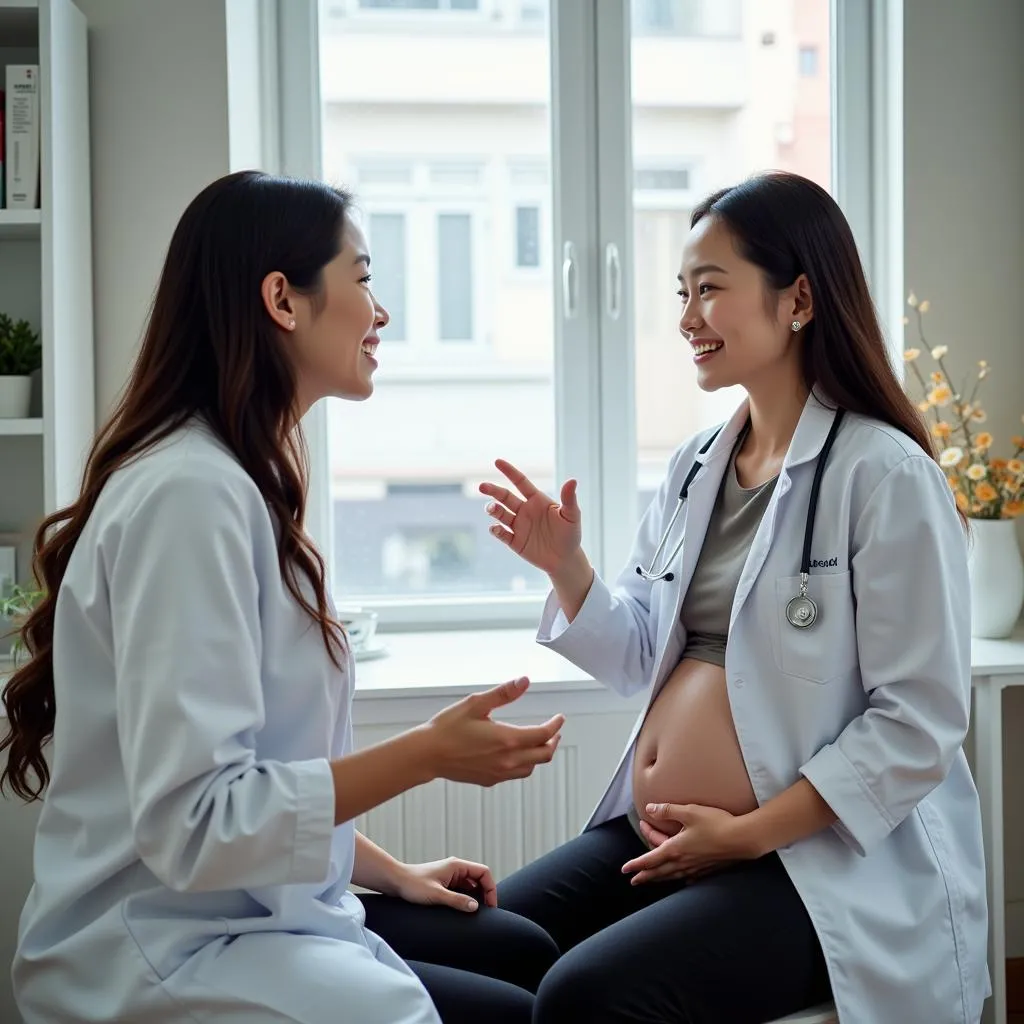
(614, 635)
(913, 618)
(185, 613)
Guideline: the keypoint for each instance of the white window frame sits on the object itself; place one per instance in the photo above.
(591, 212)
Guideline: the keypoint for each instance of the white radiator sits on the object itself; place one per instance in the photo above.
(513, 823)
(504, 827)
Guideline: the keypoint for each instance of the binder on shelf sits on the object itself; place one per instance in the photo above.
(21, 163)
(3, 108)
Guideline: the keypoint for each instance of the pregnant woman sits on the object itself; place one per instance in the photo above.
(793, 818)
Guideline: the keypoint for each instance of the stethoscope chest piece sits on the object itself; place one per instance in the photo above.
(801, 610)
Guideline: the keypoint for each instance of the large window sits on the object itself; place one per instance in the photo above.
(526, 226)
(443, 132)
(765, 114)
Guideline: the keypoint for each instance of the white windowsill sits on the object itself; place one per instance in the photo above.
(451, 663)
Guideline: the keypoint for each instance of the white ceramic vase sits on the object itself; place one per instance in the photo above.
(997, 578)
(15, 397)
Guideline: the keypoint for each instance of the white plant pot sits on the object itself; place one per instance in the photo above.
(997, 578)
(15, 397)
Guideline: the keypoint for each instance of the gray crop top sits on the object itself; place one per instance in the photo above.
(708, 602)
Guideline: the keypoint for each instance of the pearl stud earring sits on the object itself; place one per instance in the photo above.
(291, 325)
(797, 325)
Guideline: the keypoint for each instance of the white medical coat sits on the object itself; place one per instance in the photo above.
(871, 704)
(187, 866)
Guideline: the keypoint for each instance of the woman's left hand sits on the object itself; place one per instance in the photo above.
(709, 838)
(446, 883)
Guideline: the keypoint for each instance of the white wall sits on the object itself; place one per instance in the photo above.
(159, 112)
(964, 248)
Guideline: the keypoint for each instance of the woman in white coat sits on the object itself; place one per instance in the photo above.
(793, 818)
(196, 844)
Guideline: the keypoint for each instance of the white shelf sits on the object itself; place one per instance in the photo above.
(20, 225)
(20, 428)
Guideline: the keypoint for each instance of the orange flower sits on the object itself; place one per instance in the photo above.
(1015, 466)
(983, 441)
(985, 492)
(998, 464)
(937, 377)
(961, 501)
(1012, 509)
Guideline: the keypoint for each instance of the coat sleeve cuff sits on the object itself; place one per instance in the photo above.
(314, 821)
(558, 633)
(862, 821)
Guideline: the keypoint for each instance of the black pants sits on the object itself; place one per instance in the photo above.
(480, 968)
(736, 947)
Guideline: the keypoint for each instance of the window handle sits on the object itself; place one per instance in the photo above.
(570, 281)
(612, 281)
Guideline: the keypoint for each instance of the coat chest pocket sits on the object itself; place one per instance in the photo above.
(827, 648)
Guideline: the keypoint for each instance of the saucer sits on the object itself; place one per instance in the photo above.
(376, 648)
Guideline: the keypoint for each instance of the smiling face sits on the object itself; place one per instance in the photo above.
(741, 331)
(331, 335)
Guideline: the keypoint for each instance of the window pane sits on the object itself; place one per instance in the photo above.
(455, 276)
(387, 240)
(687, 17)
(735, 112)
(527, 236)
(440, 164)
(404, 5)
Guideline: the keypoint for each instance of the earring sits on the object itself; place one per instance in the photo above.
(291, 325)
(797, 325)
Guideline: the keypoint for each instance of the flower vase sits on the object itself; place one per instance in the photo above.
(997, 578)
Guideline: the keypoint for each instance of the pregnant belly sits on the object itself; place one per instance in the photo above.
(687, 751)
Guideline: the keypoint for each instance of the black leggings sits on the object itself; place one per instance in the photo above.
(479, 968)
(736, 947)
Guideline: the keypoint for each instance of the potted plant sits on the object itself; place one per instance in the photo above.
(20, 356)
(15, 607)
(988, 490)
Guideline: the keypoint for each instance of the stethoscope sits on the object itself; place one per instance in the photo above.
(802, 611)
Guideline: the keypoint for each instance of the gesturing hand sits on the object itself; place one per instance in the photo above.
(538, 529)
(470, 747)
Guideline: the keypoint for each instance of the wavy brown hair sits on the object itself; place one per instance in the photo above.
(210, 349)
(787, 225)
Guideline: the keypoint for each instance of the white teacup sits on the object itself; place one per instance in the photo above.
(360, 625)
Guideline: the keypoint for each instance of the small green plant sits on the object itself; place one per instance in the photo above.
(15, 606)
(20, 351)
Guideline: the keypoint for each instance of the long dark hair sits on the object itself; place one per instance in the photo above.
(209, 349)
(787, 226)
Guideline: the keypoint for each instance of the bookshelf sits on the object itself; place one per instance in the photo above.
(46, 273)
(45, 278)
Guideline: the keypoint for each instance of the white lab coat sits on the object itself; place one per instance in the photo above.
(871, 704)
(187, 866)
